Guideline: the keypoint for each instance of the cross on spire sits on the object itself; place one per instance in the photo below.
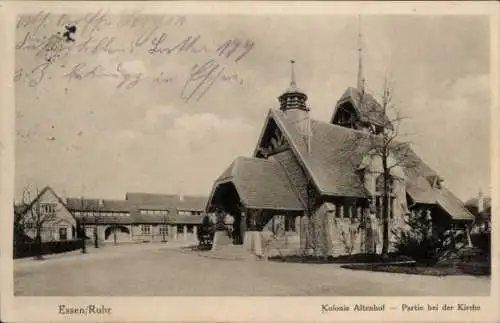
(293, 83)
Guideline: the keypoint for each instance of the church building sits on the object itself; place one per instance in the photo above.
(319, 185)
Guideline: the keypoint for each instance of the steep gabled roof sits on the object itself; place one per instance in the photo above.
(79, 204)
(21, 209)
(136, 202)
(452, 205)
(192, 203)
(368, 109)
(260, 183)
(335, 153)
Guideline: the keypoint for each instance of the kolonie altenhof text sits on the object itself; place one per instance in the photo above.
(356, 308)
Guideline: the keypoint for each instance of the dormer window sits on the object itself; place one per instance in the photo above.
(435, 181)
(368, 114)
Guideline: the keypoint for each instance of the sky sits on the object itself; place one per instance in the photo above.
(121, 108)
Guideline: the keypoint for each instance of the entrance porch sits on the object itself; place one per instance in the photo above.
(256, 227)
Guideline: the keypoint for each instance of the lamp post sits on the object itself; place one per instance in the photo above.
(164, 228)
(114, 233)
(84, 218)
(96, 242)
(96, 215)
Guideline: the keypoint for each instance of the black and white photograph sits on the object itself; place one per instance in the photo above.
(251, 154)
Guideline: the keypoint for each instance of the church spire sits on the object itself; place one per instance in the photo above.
(293, 98)
(293, 105)
(361, 77)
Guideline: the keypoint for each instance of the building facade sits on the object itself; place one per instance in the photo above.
(47, 216)
(318, 187)
(480, 206)
(140, 217)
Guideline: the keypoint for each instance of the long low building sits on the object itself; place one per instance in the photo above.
(140, 217)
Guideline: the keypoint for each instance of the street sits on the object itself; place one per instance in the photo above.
(166, 270)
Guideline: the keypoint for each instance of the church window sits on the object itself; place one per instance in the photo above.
(337, 211)
(379, 184)
(391, 213)
(354, 211)
(347, 211)
(289, 224)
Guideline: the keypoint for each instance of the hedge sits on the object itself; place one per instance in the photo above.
(31, 249)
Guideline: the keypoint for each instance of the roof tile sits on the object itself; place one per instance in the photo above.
(261, 184)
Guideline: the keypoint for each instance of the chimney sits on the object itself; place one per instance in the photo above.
(181, 196)
(101, 203)
(480, 202)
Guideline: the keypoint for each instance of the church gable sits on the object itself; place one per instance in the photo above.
(272, 140)
(360, 110)
(346, 115)
(274, 144)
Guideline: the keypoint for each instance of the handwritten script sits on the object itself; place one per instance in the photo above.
(102, 46)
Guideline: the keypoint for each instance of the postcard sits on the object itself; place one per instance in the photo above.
(249, 161)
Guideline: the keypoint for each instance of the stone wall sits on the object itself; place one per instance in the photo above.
(325, 234)
(337, 236)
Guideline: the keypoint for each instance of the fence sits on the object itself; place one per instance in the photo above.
(31, 249)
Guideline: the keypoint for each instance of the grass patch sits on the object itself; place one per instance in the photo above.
(198, 247)
(475, 269)
(347, 259)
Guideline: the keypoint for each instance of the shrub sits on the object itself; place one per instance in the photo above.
(206, 231)
(482, 241)
(418, 242)
(421, 248)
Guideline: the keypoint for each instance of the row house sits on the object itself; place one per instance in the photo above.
(140, 217)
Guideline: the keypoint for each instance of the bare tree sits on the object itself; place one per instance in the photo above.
(19, 220)
(83, 217)
(38, 216)
(384, 122)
